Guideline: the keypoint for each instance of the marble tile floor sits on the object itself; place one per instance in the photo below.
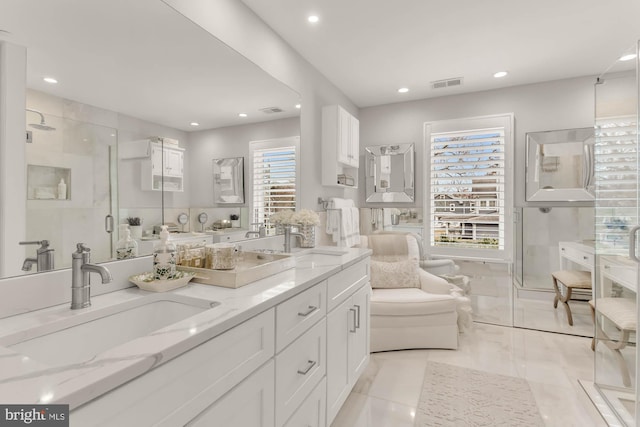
(539, 314)
(387, 394)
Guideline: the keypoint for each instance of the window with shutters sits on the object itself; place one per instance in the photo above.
(469, 188)
(616, 177)
(274, 165)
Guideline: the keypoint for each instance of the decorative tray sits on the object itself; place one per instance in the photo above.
(148, 283)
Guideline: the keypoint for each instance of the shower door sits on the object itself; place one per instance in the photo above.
(84, 156)
(616, 220)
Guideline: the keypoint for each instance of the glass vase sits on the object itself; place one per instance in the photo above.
(308, 232)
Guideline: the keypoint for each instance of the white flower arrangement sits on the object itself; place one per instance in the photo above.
(305, 217)
(395, 211)
(282, 217)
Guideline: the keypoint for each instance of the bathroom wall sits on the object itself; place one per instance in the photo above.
(557, 104)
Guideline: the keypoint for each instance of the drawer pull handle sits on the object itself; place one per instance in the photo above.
(358, 316)
(355, 321)
(606, 267)
(311, 309)
(585, 257)
(310, 365)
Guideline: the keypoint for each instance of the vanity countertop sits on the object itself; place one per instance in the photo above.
(24, 380)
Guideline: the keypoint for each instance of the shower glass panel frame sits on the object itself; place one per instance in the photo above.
(616, 215)
(88, 152)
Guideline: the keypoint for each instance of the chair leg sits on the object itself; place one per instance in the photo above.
(566, 306)
(615, 347)
(557, 290)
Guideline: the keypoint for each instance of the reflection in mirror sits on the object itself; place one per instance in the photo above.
(560, 165)
(115, 90)
(390, 173)
(228, 180)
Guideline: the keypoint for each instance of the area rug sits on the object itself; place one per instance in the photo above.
(454, 396)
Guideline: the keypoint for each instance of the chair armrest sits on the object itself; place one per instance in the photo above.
(433, 284)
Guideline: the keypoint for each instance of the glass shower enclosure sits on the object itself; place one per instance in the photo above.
(616, 228)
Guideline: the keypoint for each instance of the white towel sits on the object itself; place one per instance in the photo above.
(349, 227)
(343, 222)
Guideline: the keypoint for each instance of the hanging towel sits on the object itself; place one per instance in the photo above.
(343, 222)
(349, 227)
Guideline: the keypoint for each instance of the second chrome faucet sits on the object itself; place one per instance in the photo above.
(80, 281)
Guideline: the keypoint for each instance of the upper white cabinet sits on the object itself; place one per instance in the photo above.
(340, 147)
(164, 164)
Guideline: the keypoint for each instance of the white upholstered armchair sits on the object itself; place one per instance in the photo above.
(411, 308)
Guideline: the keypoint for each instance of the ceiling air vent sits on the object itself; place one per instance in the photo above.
(271, 110)
(439, 84)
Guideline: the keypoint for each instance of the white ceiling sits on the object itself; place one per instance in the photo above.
(140, 58)
(370, 48)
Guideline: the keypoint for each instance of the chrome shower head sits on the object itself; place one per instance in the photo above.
(42, 125)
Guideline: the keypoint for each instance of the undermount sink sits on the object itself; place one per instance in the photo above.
(320, 258)
(80, 337)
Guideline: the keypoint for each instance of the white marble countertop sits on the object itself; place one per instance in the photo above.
(25, 380)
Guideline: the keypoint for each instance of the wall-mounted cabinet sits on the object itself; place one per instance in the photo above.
(340, 147)
(164, 164)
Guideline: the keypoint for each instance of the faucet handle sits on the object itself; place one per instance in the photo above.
(82, 248)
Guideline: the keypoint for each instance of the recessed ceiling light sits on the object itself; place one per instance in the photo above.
(628, 57)
(242, 115)
(500, 74)
(298, 106)
(194, 124)
(313, 19)
(50, 80)
(403, 90)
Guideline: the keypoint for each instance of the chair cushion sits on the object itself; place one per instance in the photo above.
(409, 302)
(621, 311)
(395, 274)
(574, 278)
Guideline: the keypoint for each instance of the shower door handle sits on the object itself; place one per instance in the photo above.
(108, 223)
(632, 243)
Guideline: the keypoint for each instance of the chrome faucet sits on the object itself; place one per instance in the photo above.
(262, 231)
(43, 259)
(80, 282)
(287, 237)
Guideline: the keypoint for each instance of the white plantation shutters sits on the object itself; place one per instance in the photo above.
(273, 180)
(468, 191)
(616, 177)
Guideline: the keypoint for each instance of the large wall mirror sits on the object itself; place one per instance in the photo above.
(390, 173)
(560, 165)
(126, 71)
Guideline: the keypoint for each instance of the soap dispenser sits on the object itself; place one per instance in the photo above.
(126, 247)
(164, 257)
(62, 190)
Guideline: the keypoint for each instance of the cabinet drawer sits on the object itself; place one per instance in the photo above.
(175, 392)
(298, 369)
(577, 256)
(299, 313)
(345, 283)
(312, 411)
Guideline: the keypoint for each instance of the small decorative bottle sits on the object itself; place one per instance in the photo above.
(62, 190)
(126, 247)
(164, 257)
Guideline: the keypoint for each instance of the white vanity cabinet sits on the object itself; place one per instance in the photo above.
(340, 145)
(291, 365)
(164, 163)
(347, 333)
